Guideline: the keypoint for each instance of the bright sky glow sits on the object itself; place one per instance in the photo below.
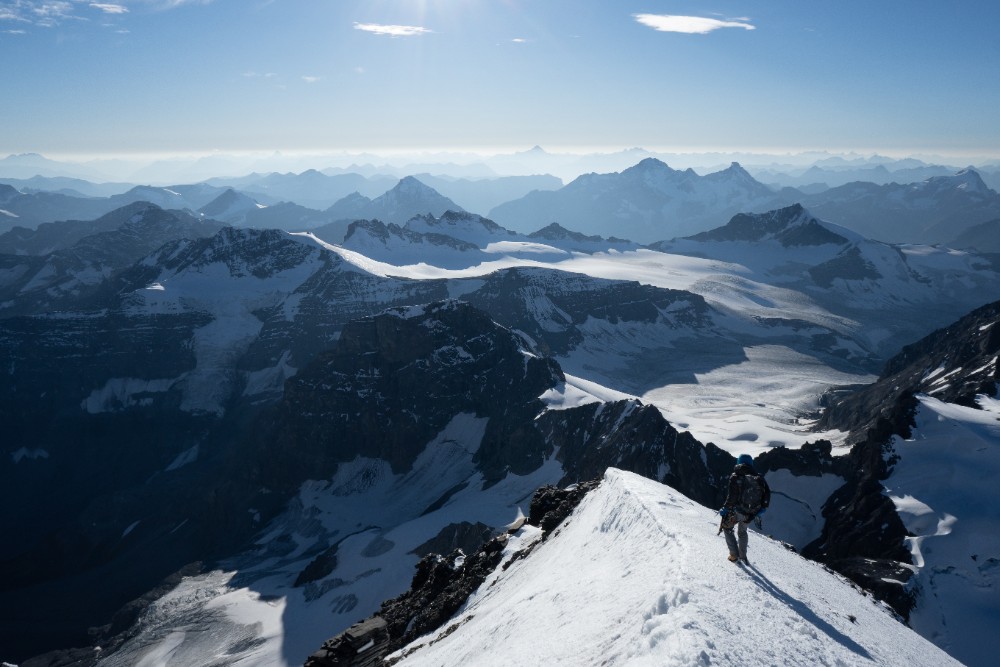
(203, 76)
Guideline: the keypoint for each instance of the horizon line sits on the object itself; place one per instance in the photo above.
(486, 152)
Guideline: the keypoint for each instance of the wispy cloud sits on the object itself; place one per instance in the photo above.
(311, 79)
(10, 14)
(695, 25)
(392, 30)
(108, 8)
(170, 4)
(53, 12)
(259, 75)
(519, 40)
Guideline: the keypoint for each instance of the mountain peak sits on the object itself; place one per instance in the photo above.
(791, 226)
(969, 179)
(411, 183)
(735, 171)
(651, 164)
(228, 204)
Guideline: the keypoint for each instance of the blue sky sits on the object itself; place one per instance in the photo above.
(155, 76)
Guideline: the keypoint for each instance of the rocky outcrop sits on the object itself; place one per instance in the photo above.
(635, 437)
(955, 364)
(441, 585)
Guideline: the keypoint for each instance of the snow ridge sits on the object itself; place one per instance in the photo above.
(637, 576)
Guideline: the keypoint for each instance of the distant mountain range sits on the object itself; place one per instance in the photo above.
(31, 210)
(651, 202)
(935, 210)
(645, 203)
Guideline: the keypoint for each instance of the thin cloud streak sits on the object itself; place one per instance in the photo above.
(108, 8)
(692, 25)
(392, 30)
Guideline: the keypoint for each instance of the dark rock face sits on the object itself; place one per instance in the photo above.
(848, 265)
(396, 380)
(636, 437)
(464, 536)
(551, 505)
(441, 585)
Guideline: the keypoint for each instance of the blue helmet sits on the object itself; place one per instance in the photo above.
(745, 459)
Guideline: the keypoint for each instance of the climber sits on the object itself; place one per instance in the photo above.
(747, 498)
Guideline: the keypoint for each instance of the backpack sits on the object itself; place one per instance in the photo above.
(751, 493)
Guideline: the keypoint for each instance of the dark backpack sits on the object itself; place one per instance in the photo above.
(751, 496)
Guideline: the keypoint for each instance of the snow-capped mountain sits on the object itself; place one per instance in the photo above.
(408, 198)
(873, 283)
(305, 440)
(645, 203)
(639, 571)
(457, 240)
(931, 211)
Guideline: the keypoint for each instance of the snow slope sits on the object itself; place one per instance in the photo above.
(943, 488)
(256, 611)
(637, 576)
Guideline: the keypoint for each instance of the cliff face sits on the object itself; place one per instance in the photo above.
(395, 380)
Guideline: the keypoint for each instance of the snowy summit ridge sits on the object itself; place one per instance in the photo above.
(636, 575)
